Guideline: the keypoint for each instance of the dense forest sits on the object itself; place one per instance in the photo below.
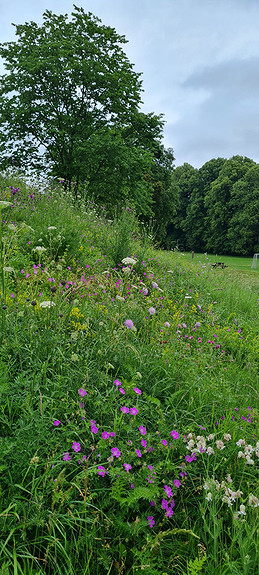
(218, 207)
(70, 108)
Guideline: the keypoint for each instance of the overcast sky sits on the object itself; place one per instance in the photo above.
(199, 60)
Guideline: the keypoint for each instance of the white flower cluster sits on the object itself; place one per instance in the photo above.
(129, 261)
(228, 495)
(247, 451)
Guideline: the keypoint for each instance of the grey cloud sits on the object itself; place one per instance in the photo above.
(237, 76)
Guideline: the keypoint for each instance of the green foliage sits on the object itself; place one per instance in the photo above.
(75, 110)
(126, 446)
(218, 207)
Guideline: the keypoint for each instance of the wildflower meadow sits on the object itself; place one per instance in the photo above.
(129, 397)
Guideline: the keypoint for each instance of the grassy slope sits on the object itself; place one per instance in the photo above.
(59, 365)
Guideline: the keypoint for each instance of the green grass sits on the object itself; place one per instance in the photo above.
(123, 449)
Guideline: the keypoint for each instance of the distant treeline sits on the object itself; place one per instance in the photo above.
(218, 209)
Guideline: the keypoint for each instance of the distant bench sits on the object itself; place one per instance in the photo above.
(219, 265)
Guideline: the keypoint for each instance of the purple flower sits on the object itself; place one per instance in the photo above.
(101, 470)
(138, 453)
(133, 411)
(152, 503)
(129, 323)
(152, 310)
(163, 441)
(169, 512)
(115, 452)
(76, 446)
(121, 390)
(94, 429)
(151, 521)
(56, 422)
(138, 391)
(124, 409)
(174, 434)
(164, 504)
(167, 324)
(190, 458)
(82, 392)
(143, 443)
(66, 456)
(168, 491)
(177, 483)
(127, 466)
(105, 435)
(117, 382)
(142, 430)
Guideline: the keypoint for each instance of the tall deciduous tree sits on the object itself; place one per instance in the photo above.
(195, 221)
(69, 104)
(217, 203)
(243, 231)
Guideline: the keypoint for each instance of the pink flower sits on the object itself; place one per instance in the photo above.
(82, 392)
(174, 434)
(124, 409)
(56, 422)
(133, 411)
(94, 429)
(127, 466)
(117, 382)
(129, 323)
(167, 324)
(163, 441)
(76, 446)
(168, 491)
(143, 443)
(121, 390)
(152, 310)
(138, 453)
(66, 456)
(177, 483)
(115, 452)
(164, 504)
(169, 512)
(105, 435)
(101, 470)
(142, 430)
(138, 391)
(151, 521)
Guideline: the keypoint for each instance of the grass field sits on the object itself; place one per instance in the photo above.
(129, 398)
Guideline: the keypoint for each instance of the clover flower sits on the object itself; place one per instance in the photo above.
(152, 310)
(129, 323)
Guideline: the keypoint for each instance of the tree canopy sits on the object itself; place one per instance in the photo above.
(70, 105)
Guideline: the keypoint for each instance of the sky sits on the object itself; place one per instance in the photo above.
(199, 61)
